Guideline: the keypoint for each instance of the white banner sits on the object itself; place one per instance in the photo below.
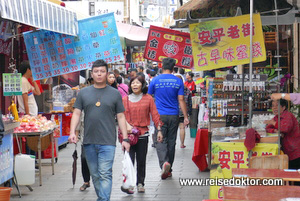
(40, 14)
(107, 7)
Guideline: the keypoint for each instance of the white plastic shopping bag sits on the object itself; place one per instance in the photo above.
(129, 173)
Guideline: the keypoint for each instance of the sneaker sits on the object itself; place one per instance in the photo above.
(170, 174)
(127, 190)
(140, 188)
(165, 170)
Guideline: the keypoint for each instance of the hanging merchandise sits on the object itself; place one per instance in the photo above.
(226, 98)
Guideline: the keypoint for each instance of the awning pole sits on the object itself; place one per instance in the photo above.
(250, 72)
(278, 70)
(250, 65)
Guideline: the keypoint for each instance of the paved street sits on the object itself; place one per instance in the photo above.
(59, 186)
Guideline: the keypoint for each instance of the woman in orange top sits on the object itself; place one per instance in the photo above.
(138, 107)
(189, 83)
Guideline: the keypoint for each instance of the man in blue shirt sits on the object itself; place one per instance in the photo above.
(169, 92)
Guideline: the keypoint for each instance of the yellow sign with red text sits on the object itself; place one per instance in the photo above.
(228, 155)
(226, 42)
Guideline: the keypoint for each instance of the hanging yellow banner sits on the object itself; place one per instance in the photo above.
(226, 42)
(228, 155)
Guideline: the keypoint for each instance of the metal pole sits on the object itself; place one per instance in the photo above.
(278, 70)
(243, 94)
(250, 65)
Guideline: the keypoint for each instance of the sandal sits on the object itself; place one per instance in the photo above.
(84, 187)
(127, 190)
(182, 146)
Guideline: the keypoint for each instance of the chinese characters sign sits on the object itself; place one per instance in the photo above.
(162, 43)
(226, 42)
(233, 155)
(108, 7)
(12, 84)
(52, 54)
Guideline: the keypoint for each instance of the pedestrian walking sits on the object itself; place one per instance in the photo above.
(188, 102)
(100, 104)
(168, 91)
(139, 106)
(189, 83)
(80, 135)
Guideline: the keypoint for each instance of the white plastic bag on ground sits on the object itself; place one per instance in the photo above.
(128, 172)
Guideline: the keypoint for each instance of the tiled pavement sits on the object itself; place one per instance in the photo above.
(59, 187)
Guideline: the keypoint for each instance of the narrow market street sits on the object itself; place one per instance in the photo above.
(59, 187)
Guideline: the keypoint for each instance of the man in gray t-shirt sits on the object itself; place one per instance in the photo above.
(100, 103)
(100, 120)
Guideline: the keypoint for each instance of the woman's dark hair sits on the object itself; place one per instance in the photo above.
(142, 80)
(119, 80)
(283, 103)
(191, 74)
(114, 85)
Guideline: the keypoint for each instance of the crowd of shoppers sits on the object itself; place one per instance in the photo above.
(137, 104)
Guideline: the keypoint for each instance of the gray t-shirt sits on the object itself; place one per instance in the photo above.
(99, 122)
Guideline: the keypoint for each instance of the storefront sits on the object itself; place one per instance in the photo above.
(223, 140)
(17, 18)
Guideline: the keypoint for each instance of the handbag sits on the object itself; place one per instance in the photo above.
(133, 135)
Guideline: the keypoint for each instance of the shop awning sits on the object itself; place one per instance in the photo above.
(41, 14)
(197, 9)
(134, 35)
(207, 8)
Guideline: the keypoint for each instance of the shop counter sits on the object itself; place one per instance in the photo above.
(202, 146)
(260, 193)
(285, 175)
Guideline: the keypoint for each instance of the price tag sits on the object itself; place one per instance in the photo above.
(12, 84)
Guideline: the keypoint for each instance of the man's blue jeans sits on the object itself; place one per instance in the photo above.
(100, 159)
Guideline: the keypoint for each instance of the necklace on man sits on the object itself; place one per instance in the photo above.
(98, 103)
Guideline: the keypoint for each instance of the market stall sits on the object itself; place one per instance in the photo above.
(235, 100)
(39, 133)
(6, 150)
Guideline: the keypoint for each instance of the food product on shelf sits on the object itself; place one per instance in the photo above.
(34, 124)
(69, 106)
